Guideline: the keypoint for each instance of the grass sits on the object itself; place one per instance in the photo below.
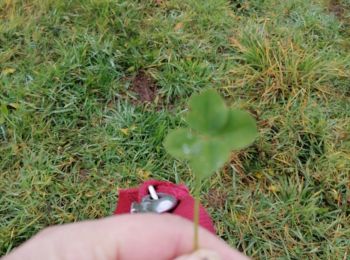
(73, 130)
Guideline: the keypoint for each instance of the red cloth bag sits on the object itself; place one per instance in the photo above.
(184, 207)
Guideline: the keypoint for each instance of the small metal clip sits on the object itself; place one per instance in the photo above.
(152, 192)
(154, 202)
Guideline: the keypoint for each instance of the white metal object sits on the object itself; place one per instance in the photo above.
(153, 192)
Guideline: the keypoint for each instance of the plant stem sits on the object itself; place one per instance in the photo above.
(196, 214)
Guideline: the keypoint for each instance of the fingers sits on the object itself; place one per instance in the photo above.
(139, 236)
(168, 236)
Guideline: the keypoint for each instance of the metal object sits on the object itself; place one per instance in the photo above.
(152, 192)
(154, 202)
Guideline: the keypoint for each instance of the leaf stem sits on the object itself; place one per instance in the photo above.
(196, 214)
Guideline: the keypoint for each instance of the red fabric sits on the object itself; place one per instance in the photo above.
(184, 207)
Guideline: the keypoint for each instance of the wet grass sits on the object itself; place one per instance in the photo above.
(75, 126)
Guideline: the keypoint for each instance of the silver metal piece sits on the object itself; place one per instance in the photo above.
(164, 203)
(153, 192)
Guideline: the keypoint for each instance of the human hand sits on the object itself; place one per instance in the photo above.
(132, 237)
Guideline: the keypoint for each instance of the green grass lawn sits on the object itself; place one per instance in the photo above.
(90, 88)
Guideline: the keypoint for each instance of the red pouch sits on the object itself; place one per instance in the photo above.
(184, 208)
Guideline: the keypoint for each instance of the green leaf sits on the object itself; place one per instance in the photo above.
(240, 129)
(181, 143)
(216, 131)
(208, 112)
(212, 155)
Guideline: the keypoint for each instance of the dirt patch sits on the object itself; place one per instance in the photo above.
(337, 8)
(144, 87)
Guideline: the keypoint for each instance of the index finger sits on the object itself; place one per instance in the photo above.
(136, 236)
